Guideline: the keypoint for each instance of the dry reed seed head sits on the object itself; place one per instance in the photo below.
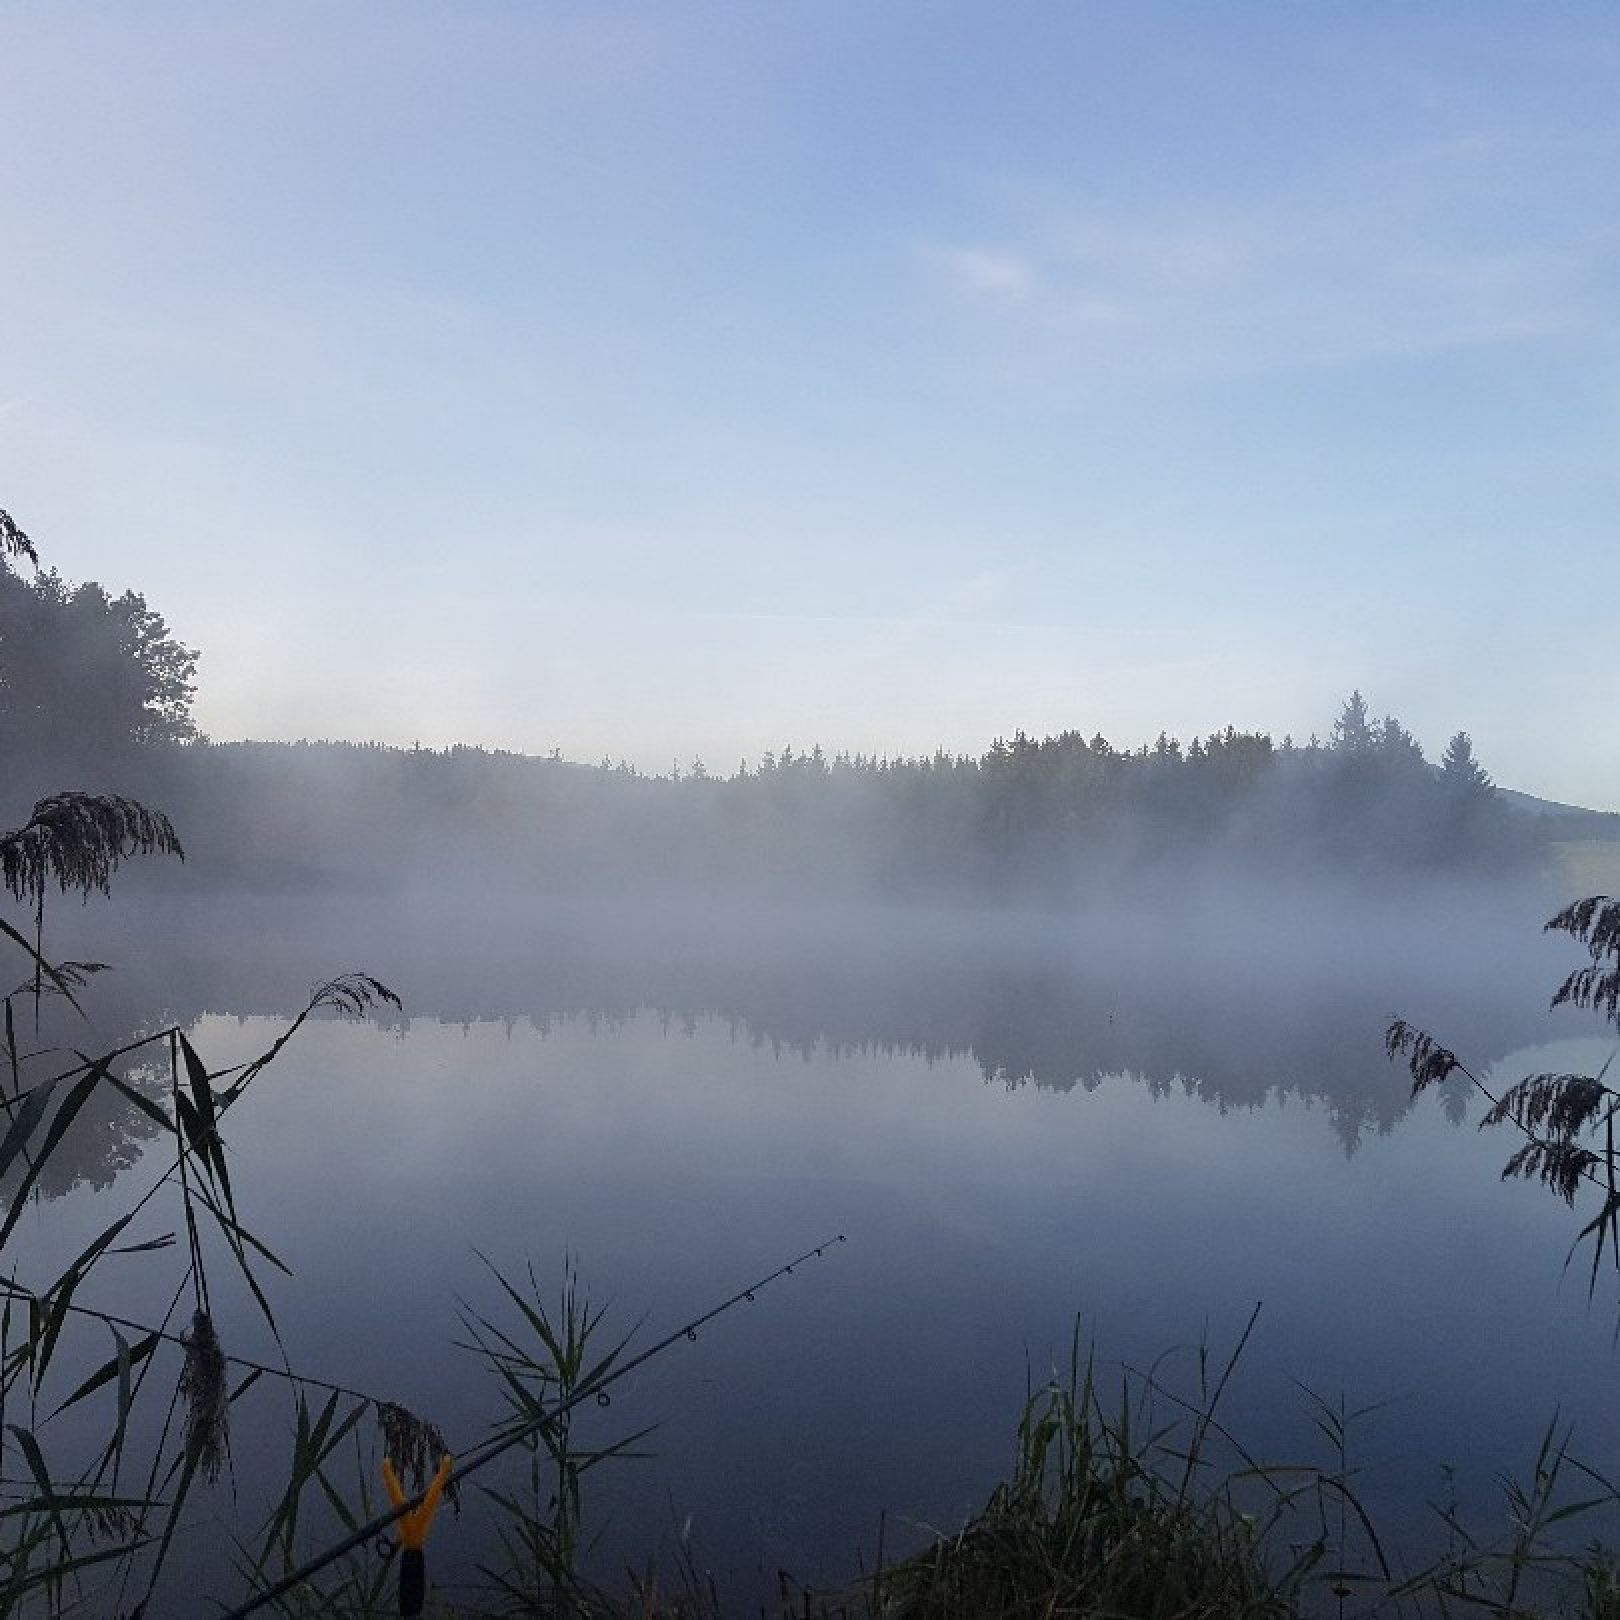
(1595, 922)
(69, 976)
(1561, 1105)
(78, 840)
(1592, 987)
(1427, 1060)
(204, 1390)
(1562, 1166)
(112, 1523)
(412, 1447)
(353, 995)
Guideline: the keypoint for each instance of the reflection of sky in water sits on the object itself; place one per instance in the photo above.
(679, 1166)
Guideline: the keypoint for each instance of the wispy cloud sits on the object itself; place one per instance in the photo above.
(1353, 273)
(987, 272)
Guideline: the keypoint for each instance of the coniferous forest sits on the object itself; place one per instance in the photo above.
(96, 690)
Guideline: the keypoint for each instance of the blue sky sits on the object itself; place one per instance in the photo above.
(676, 380)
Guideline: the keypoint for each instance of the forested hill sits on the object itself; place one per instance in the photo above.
(95, 694)
(1056, 819)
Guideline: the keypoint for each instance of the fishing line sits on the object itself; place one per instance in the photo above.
(504, 1442)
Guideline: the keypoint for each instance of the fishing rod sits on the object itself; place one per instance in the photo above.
(505, 1441)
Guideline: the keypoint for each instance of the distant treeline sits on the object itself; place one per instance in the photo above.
(1055, 819)
(95, 693)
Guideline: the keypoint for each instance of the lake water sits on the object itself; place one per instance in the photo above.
(1147, 1126)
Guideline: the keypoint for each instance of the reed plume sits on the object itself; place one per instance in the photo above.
(204, 1390)
(1553, 1112)
(78, 840)
(411, 1444)
(1426, 1059)
(352, 995)
(1595, 922)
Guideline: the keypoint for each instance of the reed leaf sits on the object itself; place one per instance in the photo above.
(44, 971)
(118, 1366)
(313, 1443)
(61, 1120)
(48, 1494)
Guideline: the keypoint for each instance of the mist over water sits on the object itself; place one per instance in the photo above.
(1146, 1118)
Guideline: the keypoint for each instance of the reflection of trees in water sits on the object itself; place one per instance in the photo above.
(106, 1138)
(109, 1133)
(1233, 1028)
(1060, 1033)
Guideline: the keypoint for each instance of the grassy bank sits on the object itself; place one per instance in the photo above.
(1125, 1500)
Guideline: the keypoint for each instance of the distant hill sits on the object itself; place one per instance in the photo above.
(1574, 821)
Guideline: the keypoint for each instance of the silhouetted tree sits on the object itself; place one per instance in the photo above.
(1397, 749)
(1462, 776)
(1353, 731)
(84, 674)
(13, 542)
(1473, 825)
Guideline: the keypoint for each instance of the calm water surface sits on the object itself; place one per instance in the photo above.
(1010, 1138)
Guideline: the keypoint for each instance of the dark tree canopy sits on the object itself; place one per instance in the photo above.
(1353, 731)
(84, 674)
(13, 542)
(1462, 774)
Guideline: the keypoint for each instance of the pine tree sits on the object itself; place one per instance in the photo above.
(1461, 774)
(1353, 730)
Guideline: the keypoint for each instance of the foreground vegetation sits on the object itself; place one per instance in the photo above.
(1122, 1510)
(1139, 1504)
